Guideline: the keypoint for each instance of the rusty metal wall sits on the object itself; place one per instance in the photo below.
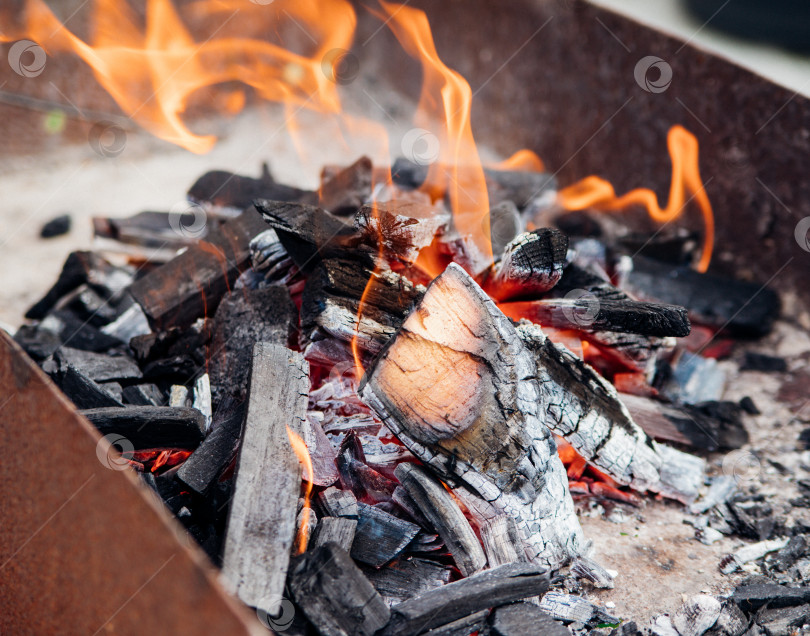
(85, 549)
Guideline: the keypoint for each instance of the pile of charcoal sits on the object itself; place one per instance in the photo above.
(358, 414)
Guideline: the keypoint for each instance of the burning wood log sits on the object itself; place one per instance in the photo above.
(445, 516)
(584, 408)
(345, 191)
(742, 308)
(442, 605)
(618, 316)
(261, 527)
(192, 284)
(380, 536)
(531, 264)
(148, 427)
(335, 595)
(458, 388)
(308, 233)
(502, 542)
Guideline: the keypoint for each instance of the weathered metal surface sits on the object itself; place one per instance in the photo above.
(85, 549)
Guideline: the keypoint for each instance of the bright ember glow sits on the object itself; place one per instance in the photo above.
(595, 192)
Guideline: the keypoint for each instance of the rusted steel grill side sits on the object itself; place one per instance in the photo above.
(85, 549)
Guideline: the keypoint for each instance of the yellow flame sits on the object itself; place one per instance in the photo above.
(300, 449)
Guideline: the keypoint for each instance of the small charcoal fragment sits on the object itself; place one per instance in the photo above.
(57, 226)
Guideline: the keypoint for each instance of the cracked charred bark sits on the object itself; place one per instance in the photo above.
(458, 387)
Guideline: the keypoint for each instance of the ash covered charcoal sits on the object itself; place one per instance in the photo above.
(524, 618)
(343, 192)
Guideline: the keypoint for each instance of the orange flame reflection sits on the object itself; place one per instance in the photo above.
(595, 192)
(523, 160)
(300, 449)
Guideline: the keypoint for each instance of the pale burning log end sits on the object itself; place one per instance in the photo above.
(531, 264)
(458, 388)
(585, 409)
(262, 522)
(444, 514)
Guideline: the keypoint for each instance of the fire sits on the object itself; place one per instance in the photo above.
(299, 447)
(523, 160)
(152, 72)
(595, 192)
(444, 111)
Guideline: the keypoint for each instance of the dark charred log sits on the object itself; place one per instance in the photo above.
(148, 427)
(226, 189)
(344, 192)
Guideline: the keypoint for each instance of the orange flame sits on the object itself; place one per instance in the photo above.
(444, 111)
(152, 72)
(523, 161)
(299, 447)
(595, 192)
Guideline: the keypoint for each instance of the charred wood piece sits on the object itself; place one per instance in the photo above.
(401, 228)
(708, 426)
(336, 530)
(404, 578)
(750, 598)
(697, 615)
(586, 314)
(97, 366)
(585, 409)
(83, 392)
(339, 503)
(458, 388)
(154, 229)
(202, 468)
(531, 264)
(570, 608)
(471, 624)
(586, 569)
(308, 233)
(524, 618)
(739, 307)
(344, 192)
(82, 268)
(439, 606)
(191, 285)
(261, 527)
(148, 427)
(335, 596)
(380, 536)
(228, 190)
(246, 316)
(143, 395)
(445, 516)
(502, 542)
